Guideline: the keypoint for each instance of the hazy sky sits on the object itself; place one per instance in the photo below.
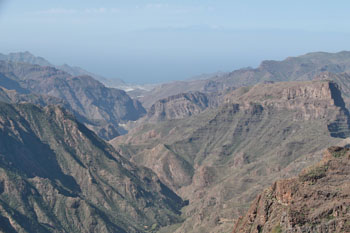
(143, 41)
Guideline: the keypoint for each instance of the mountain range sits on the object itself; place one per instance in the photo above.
(300, 68)
(186, 157)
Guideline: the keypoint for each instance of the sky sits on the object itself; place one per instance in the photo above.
(153, 41)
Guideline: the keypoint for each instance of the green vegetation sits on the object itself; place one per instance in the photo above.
(277, 229)
(314, 174)
(338, 154)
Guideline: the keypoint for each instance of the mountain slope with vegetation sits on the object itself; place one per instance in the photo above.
(58, 176)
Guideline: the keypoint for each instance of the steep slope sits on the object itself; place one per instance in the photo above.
(58, 176)
(103, 107)
(342, 79)
(220, 159)
(316, 201)
(299, 68)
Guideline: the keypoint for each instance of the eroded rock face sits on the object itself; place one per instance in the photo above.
(309, 99)
(58, 176)
(342, 80)
(316, 201)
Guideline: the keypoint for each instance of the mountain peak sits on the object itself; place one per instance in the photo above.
(26, 57)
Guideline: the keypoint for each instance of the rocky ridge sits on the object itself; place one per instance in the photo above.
(317, 200)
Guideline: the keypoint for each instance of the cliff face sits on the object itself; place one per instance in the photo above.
(101, 107)
(222, 158)
(342, 80)
(316, 201)
(58, 176)
(308, 100)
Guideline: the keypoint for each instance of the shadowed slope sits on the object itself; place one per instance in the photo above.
(58, 176)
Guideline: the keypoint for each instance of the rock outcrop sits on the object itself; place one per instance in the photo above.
(342, 80)
(317, 200)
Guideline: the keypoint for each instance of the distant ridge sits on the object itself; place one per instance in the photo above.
(299, 68)
(27, 57)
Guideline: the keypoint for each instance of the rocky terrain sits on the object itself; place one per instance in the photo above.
(299, 68)
(58, 176)
(181, 106)
(101, 108)
(209, 145)
(343, 81)
(317, 200)
(221, 158)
